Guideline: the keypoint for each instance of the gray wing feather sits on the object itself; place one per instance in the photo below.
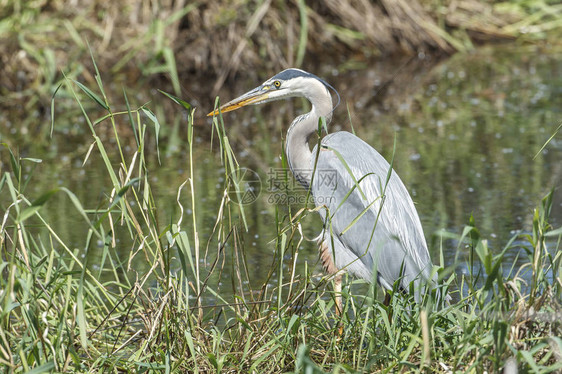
(371, 221)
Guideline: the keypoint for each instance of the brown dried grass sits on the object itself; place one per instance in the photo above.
(216, 39)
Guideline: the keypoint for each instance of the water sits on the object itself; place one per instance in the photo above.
(466, 132)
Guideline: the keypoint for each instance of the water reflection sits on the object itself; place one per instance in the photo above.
(466, 132)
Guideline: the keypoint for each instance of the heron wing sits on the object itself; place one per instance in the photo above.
(370, 217)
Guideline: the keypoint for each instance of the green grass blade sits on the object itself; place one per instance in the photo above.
(91, 95)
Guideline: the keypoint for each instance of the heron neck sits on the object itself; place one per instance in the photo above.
(297, 147)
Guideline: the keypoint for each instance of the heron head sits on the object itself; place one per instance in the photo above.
(288, 83)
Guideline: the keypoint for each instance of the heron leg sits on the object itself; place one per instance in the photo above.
(337, 294)
(339, 304)
(386, 303)
(330, 268)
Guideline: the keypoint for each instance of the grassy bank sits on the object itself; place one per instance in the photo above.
(86, 307)
(178, 40)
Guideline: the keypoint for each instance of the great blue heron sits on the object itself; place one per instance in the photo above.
(371, 226)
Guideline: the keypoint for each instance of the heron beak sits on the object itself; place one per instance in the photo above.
(254, 96)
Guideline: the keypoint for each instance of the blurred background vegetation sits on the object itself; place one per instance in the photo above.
(177, 45)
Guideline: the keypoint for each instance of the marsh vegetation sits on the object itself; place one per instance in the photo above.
(122, 249)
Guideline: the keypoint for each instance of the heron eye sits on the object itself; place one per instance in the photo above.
(277, 84)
